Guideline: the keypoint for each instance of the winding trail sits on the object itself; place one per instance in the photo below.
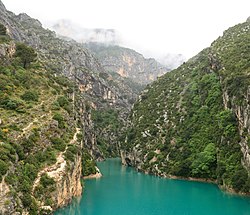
(41, 119)
(57, 169)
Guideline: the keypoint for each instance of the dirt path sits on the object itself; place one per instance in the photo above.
(40, 118)
(36, 120)
(57, 169)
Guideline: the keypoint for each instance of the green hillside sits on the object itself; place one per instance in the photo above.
(194, 121)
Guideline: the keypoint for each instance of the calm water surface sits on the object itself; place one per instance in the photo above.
(123, 191)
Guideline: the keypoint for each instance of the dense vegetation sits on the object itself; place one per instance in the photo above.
(182, 126)
(109, 125)
(36, 125)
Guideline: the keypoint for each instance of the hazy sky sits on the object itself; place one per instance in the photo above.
(149, 26)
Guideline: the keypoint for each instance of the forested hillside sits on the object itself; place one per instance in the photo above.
(194, 121)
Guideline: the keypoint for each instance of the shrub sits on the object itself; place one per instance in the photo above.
(62, 101)
(88, 167)
(69, 155)
(3, 168)
(58, 143)
(48, 156)
(30, 96)
(10, 104)
(26, 200)
(71, 152)
(25, 185)
(46, 181)
(31, 171)
(59, 118)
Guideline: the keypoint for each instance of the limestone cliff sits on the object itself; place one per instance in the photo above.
(65, 57)
(67, 178)
(71, 59)
(69, 186)
(127, 63)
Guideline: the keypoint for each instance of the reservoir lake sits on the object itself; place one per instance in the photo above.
(124, 191)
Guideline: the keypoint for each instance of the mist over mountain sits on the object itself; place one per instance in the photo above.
(72, 30)
(171, 60)
(69, 29)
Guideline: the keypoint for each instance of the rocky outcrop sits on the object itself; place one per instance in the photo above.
(243, 118)
(7, 50)
(69, 184)
(67, 177)
(98, 174)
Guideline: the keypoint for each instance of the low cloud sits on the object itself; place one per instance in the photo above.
(171, 61)
(69, 29)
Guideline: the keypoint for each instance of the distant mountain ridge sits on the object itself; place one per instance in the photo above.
(68, 29)
(127, 63)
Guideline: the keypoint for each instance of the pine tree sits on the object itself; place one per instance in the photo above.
(26, 54)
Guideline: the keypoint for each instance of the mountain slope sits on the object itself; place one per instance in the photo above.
(127, 63)
(48, 140)
(101, 90)
(194, 121)
(40, 140)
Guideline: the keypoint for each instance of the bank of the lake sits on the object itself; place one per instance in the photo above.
(121, 190)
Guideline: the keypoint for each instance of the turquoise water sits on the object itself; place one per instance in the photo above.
(123, 191)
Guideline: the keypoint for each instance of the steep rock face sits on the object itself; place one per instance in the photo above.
(90, 136)
(72, 60)
(236, 91)
(194, 121)
(127, 63)
(68, 182)
(70, 186)
(61, 56)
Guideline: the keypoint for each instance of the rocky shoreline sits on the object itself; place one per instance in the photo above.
(98, 174)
